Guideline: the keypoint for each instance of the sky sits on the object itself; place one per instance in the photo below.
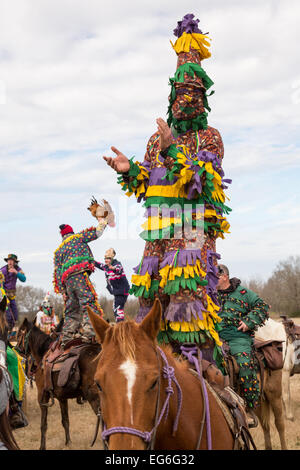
(77, 77)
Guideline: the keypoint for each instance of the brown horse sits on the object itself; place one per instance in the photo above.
(148, 398)
(31, 340)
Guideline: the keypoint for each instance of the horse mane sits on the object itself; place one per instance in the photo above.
(122, 335)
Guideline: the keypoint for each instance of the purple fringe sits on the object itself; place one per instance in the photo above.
(212, 276)
(187, 25)
(142, 313)
(149, 264)
(184, 311)
(184, 257)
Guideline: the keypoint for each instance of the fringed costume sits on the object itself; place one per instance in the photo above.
(183, 192)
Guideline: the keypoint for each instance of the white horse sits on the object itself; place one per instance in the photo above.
(275, 330)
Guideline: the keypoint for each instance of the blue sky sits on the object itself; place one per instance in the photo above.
(76, 78)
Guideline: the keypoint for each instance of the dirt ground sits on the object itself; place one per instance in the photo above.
(83, 421)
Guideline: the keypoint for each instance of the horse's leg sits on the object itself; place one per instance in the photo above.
(263, 414)
(43, 398)
(277, 408)
(65, 419)
(286, 395)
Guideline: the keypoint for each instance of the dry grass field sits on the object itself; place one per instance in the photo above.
(83, 422)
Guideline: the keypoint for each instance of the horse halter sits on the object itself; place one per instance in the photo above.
(149, 436)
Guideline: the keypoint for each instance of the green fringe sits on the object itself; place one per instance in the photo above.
(78, 259)
(181, 126)
(172, 287)
(141, 291)
(168, 232)
(160, 201)
(192, 69)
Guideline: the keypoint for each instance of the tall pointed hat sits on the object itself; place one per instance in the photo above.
(191, 48)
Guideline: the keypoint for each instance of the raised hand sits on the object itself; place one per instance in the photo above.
(165, 134)
(120, 163)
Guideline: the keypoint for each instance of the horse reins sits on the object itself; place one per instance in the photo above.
(149, 436)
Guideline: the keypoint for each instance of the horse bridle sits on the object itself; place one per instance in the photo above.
(148, 436)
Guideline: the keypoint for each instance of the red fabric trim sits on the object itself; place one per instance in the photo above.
(76, 268)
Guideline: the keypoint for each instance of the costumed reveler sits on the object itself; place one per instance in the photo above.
(12, 272)
(46, 319)
(182, 183)
(242, 312)
(116, 282)
(73, 264)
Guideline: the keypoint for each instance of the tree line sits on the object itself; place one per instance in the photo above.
(281, 291)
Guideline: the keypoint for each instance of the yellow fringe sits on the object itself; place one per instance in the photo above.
(196, 41)
(168, 273)
(210, 318)
(155, 223)
(139, 280)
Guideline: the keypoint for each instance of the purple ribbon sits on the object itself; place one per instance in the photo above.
(190, 352)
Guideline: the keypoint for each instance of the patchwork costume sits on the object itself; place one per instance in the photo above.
(117, 285)
(73, 264)
(240, 304)
(183, 192)
(9, 285)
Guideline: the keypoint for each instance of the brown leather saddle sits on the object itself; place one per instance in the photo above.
(65, 362)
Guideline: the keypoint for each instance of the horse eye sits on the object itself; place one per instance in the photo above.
(154, 384)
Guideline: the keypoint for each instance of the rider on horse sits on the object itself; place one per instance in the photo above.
(12, 272)
(73, 264)
(242, 312)
(181, 182)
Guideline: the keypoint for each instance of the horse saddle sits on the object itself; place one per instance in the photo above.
(65, 362)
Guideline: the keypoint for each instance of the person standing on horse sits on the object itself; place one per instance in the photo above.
(181, 183)
(12, 272)
(73, 264)
(242, 312)
(117, 283)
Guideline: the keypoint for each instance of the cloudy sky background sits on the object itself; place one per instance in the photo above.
(77, 77)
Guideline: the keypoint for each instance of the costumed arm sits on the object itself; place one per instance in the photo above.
(21, 276)
(258, 314)
(100, 265)
(118, 268)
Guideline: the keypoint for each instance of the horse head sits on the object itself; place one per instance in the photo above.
(127, 376)
(22, 336)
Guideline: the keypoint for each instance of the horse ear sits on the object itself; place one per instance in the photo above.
(151, 322)
(100, 326)
(3, 304)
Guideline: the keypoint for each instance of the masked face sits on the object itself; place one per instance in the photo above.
(188, 103)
